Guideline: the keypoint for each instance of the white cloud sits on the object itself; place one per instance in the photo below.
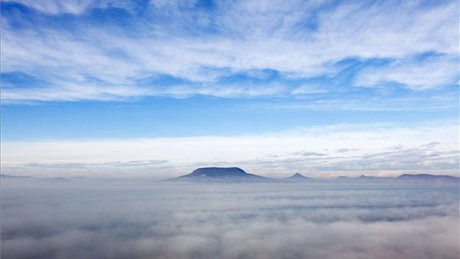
(91, 92)
(309, 89)
(425, 74)
(342, 102)
(56, 6)
(249, 36)
(74, 7)
(372, 146)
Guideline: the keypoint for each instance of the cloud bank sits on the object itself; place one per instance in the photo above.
(122, 219)
(347, 149)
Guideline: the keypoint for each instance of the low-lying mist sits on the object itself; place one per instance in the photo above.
(140, 219)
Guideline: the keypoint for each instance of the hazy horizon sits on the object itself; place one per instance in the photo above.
(275, 177)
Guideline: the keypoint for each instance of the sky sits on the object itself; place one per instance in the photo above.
(158, 88)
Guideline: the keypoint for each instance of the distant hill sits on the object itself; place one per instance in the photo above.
(297, 177)
(427, 177)
(370, 179)
(220, 174)
(238, 175)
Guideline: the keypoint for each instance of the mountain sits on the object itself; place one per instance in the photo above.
(427, 178)
(220, 174)
(238, 175)
(297, 177)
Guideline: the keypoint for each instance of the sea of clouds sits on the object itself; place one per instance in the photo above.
(83, 218)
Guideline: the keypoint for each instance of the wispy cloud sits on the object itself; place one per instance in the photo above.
(385, 102)
(91, 60)
(58, 7)
(416, 74)
(137, 163)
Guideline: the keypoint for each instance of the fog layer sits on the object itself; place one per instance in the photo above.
(114, 219)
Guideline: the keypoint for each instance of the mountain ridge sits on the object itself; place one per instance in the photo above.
(236, 174)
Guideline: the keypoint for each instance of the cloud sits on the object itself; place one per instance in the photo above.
(79, 93)
(431, 144)
(89, 60)
(317, 150)
(304, 153)
(135, 163)
(404, 159)
(346, 150)
(429, 73)
(56, 7)
(380, 102)
(308, 89)
(73, 7)
(113, 219)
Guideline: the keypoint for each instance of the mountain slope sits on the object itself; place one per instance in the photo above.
(297, 177)
(220, 174)
(238, 175)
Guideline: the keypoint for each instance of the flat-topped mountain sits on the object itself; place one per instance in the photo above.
(220, 174)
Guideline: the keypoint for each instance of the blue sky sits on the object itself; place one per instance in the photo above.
(125, 71)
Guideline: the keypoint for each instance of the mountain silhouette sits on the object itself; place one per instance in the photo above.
(238, 175)
(220, 174)
(297, 177)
